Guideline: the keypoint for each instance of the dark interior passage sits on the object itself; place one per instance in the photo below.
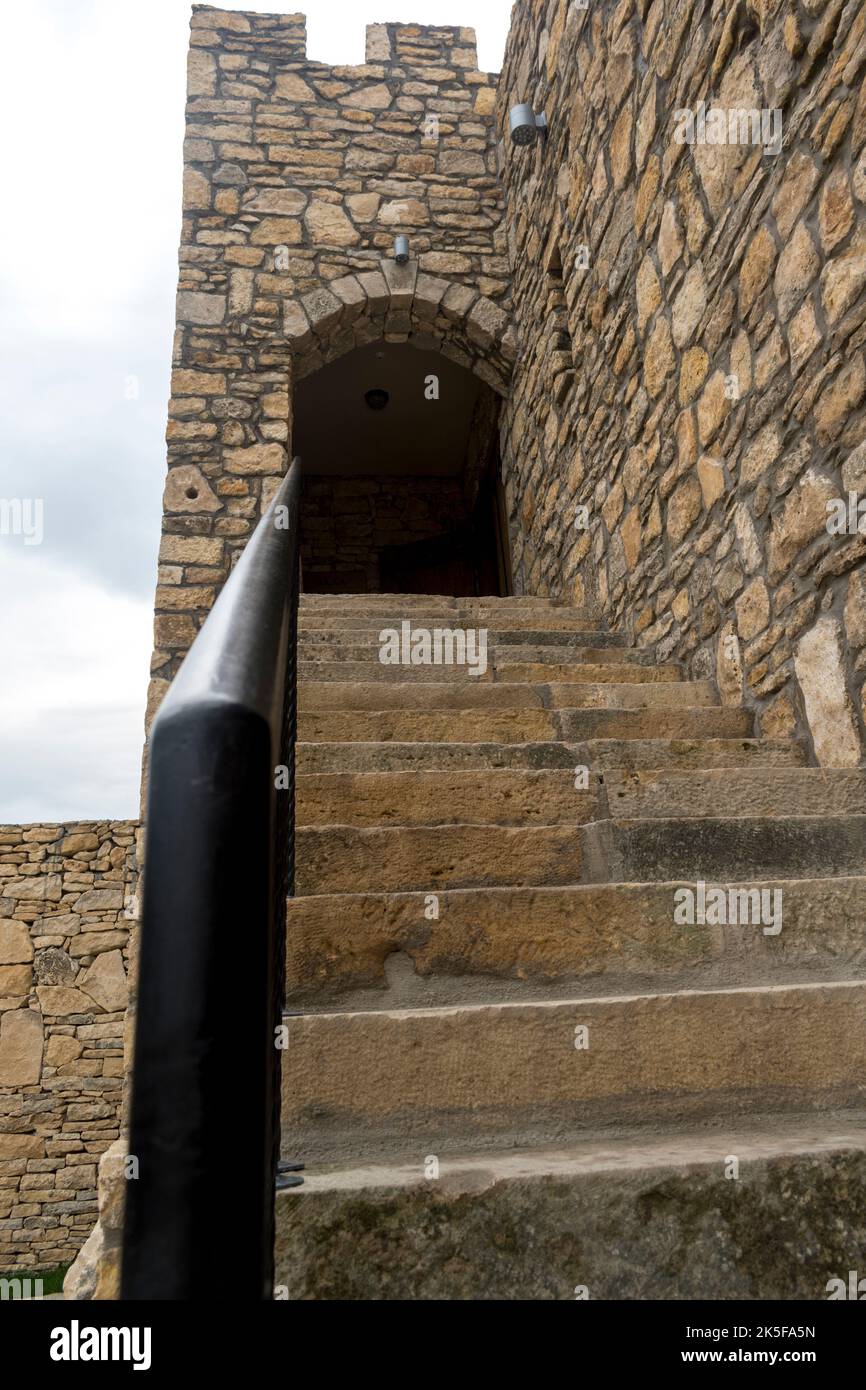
(401, 465)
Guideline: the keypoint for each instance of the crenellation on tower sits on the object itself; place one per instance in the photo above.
(276, 36)
(422, 46)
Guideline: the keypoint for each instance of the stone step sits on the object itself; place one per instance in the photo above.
(504, 656)
(447, 603)
(499, 657)
(519, 725)
(633, 695)
(613, 672)
(631, 1217)
(683, 754)
(363, 641)
(714, 849)
(383, 950)
(598, 755)
(431, 757)
(406, 695)
(501, 673)
(802, 791)
(371, 626)
(498, 796)
(551, 637)
(343, 859)
(427, 726)
(448, 1080)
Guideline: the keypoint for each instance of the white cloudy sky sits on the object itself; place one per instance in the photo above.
(91, 110)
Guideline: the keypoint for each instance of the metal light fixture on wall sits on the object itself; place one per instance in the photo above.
(401, 250)
(525, 126)
(376, 398)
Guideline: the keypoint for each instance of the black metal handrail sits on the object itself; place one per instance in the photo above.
(204, 1123)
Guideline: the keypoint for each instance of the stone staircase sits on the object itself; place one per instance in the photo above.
(512, 1071)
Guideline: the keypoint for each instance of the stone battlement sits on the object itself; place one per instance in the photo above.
(284, 38)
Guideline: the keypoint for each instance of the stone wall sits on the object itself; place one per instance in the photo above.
(65, 895)
(692, 325)
(297, 177)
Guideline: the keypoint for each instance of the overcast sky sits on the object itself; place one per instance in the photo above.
(91, 113)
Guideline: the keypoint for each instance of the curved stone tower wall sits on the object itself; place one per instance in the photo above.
(691, 318)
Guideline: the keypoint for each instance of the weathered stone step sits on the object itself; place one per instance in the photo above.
(407, 695)
(498, 620)
(598, 755)
(802, 791)
(519, 725)
(487, 796)
(375, 950)
(504, 656)
(721, 848)
(496, 673)
(499, 657)
(417, 757)
(606, 754)
(550, 637)
(632, 1217)
(445, 726)
(633, 694)
(343, 859)
(443, 1081)
(380, 603)
(360, 640)
(613, 672)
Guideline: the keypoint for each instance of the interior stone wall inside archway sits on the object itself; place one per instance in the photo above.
(399, 444)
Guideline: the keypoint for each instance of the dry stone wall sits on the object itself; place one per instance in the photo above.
(692, 323)
(297, 178)
(67, 894)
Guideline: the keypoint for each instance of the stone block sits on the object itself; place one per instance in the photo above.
(21, 1040)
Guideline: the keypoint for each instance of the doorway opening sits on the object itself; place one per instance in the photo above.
(402, 489)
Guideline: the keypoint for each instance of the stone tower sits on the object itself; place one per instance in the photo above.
(297, 179)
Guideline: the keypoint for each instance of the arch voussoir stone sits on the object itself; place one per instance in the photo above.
(398, 303)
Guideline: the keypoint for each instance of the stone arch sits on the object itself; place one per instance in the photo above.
(401, 303)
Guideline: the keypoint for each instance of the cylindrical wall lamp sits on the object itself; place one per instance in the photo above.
(525, 126)
(401, 250)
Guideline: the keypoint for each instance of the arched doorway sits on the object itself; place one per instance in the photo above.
(402, 491)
